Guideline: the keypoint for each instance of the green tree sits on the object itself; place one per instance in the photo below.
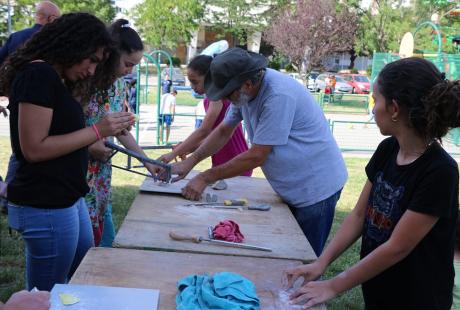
(23, 11)
(101, 8)
(241, 17)
(382, 26)
(167, 22)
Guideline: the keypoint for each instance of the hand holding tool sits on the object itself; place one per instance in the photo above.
(141, 158)
(198, 239)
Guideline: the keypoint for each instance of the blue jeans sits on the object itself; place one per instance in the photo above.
(108, 234)
(56, 241)
(316, 221)
(13, 165)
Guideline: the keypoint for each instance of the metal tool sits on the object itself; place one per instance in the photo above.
(211, 198)
(220, 185)
(199, 239)
(220, 206)
(227, 202)
(210, 232)
(142, 159)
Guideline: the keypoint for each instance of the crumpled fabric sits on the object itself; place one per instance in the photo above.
(228, 230)
(226, 290)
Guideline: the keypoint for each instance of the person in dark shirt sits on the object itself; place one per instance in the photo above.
(407, 211)
(166, 84)
(46, 196)
(45, 12)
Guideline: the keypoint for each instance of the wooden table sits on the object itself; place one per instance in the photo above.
(152, 216)
(161, 270)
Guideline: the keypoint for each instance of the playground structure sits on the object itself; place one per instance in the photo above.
(347, 113)
(446, 57)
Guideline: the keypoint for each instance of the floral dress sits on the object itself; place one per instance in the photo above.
(99, 175)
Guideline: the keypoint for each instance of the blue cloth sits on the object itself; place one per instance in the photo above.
(15, 40)
(56, 241)
(226, 290)
(305, 165)
(316, 221)
(108, 234)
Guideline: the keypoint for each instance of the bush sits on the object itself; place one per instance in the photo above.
(354, 71)
(290, 68)
(369, 70)
(175, 61)
(274, 64)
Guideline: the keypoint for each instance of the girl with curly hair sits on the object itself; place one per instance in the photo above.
(48, 134)
(407, 212)
(128, 51)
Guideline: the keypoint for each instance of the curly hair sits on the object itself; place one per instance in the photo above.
(431, 102)
(66, 41)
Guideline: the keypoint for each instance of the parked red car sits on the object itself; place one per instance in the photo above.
(360, 83)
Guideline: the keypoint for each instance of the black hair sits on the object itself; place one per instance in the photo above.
(173, 91)
(126, 38)
(200, 64)
(65, 42)
(431, 102)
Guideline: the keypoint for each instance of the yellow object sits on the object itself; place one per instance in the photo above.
(68, 299)
(236, 202)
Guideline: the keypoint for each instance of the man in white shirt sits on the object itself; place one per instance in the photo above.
(166, 116)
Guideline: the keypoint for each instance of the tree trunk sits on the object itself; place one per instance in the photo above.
(353, 57)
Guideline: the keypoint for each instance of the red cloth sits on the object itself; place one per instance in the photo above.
(228, 230)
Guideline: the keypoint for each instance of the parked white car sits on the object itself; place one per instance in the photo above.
(340, 87)
(296, 77)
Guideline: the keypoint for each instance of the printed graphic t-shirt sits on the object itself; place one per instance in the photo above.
(429, 185)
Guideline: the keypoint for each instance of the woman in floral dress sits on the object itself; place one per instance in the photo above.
(99, 198)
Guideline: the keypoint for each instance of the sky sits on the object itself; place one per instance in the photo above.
(127, 4)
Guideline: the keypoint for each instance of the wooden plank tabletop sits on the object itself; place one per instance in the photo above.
(153, 216)
(162, 270)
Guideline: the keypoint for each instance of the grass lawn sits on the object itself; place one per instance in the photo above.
(184, 97)
(125, 188)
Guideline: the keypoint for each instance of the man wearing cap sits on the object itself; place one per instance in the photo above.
(290, 140)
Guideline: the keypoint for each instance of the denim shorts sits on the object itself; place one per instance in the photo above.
(56, 241)
(165, 118)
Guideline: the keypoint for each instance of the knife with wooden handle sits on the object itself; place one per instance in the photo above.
(197, 239)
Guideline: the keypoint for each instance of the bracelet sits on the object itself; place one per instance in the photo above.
(98, 134)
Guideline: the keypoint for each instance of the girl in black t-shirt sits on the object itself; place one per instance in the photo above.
(407, 211)
(49, 137)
